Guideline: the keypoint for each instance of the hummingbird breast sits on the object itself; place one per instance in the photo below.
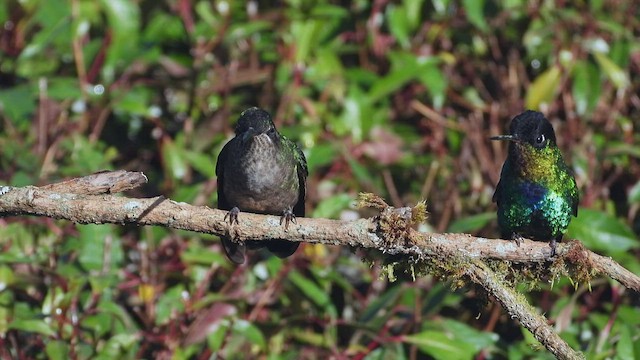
(262, 177)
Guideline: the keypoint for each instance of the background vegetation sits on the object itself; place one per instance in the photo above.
(396, 98)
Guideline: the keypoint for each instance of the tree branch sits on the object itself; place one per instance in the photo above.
(391, 233)
(519, 309)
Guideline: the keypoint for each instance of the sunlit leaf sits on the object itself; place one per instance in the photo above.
(634, 193)
(250, 332)
(413, 12)
(398, 24)
(307, 33)
(617, 76)
(118, 345)
(383, 302)
(435, 82)
(173, 158)
(624, 347)
(57, 350)
(34, 326)
(471, 336)
(169, 302)
(331, 207)
(313, 292)
(600, 231)
(124, 20)
(440, 346)
(95, 240)
(471, 223)
(586, 86)
(203, 162)
(544, 88)
(18, 103)
(475, 13)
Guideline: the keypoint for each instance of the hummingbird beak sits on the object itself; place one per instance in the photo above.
(249, 134)
(504, 137)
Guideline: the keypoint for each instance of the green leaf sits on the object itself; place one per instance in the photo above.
(320, 155)
(250, 332)
(331, 207)
(413, 12)
(624, 347)
(434, 80)
(544, 88)
(7, 277)
(134, 101)
(440, 346)
(312, 291)
(124, 21)
(398, 24)
(171, 301)
(57, 350)
(471, 223)
(216, 338)
(618, 77)
(600, 231)
(119, 345)
(94, 240)
(202, 162)
(469, 335)
(385, 301)
(18, 103)
(404, 69)
(474, 10)
(174, 161)
(307, 35)
(634, 194)
(4, 12)
(201, 256)
(35, 326)
(586, 86)
(6, 310)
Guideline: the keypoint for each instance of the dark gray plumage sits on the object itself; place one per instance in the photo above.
(260, 171)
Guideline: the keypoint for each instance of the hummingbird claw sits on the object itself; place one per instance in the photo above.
(232, 215)
(287, 217)
(517, 238)
(553, 245)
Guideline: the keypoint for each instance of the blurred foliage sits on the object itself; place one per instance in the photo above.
(396, 98)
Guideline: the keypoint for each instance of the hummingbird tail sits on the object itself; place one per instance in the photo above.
(282, 248)
(234, 250)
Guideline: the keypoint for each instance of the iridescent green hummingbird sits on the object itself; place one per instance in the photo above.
(537, 193)
(260, 171)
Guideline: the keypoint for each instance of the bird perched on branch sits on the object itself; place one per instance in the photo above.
(260, 171)
(536, 194)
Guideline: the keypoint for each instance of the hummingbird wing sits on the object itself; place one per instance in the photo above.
(303, 172)
(235, 251)
(500, 185)
(284, 248)
(496, 194)
(576, 198)
(223, 204)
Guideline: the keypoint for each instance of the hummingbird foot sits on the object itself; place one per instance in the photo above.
(553, 245)
(232, 215)
(287, 217)
(517, 238)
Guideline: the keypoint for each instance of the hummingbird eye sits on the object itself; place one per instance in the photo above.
(541, 140)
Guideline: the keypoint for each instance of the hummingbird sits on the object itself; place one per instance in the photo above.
(260, 171)
(537, 193)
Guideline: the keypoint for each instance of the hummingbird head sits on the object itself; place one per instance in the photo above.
(255, 122)
(530, 130)
(533, 152)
